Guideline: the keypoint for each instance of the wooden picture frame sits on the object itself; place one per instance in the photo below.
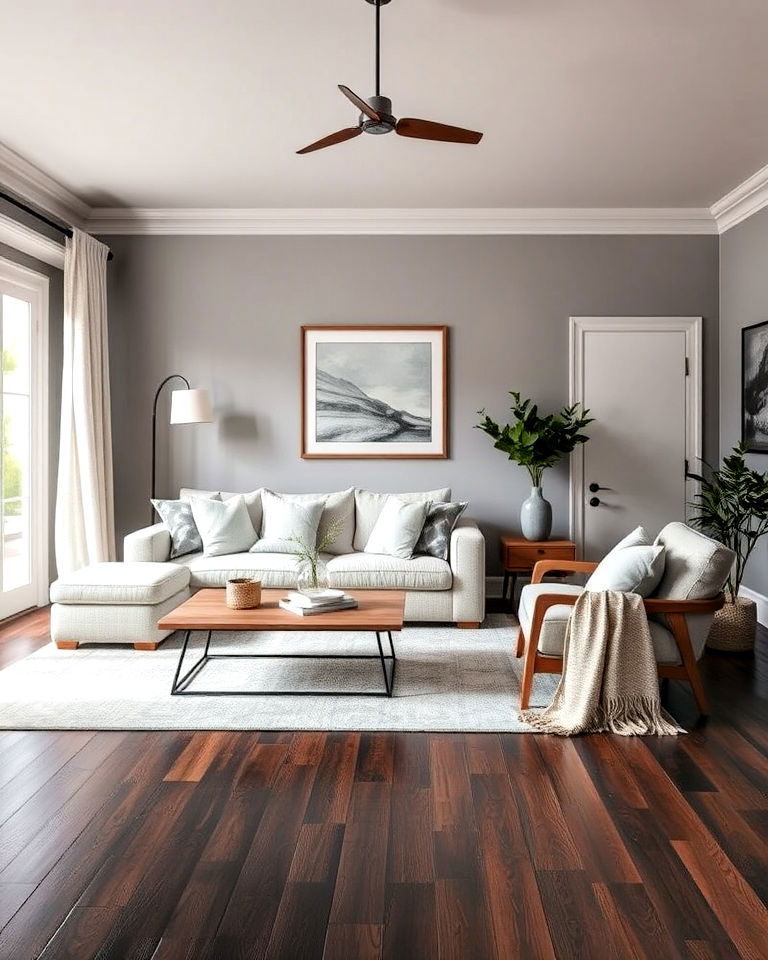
(754, 387)
(374, 392)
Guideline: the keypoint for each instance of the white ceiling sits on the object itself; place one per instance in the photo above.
(584, 103)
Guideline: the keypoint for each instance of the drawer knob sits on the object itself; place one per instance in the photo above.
(540, 550)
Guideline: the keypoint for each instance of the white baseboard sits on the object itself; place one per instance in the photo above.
(762, 603)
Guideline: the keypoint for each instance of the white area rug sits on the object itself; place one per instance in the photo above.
(447, 680)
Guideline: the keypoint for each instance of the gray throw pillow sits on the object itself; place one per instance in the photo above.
(435, 538)
(225, 526)
(180, 523)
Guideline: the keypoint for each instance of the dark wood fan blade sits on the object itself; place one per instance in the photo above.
(359, 102)
(339, 137)
(427, 130)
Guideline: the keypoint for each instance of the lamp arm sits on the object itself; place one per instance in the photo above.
(173, 376)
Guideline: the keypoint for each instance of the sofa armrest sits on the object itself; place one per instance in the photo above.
(467, 560)
(148, 545)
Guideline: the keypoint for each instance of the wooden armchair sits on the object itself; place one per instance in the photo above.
(674, 612)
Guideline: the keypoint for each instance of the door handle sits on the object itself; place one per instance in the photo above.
(594, 502)
(594, 487)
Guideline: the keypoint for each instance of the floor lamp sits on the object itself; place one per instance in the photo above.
(187, 406)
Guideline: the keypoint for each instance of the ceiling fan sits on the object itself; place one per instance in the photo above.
(376, 114)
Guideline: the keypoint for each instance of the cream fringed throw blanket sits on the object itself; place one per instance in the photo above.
(609, 681)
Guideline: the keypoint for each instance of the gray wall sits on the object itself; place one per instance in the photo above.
(226, 312)
(743, 301)
(55, 344)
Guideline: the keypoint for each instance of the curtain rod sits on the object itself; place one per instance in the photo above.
(40, 216)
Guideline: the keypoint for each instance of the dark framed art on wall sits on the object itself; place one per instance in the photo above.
(754, 387)
(374, 392)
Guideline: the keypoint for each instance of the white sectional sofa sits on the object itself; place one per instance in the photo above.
(436, 590)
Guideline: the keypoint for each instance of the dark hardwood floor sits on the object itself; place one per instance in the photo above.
(366, 845)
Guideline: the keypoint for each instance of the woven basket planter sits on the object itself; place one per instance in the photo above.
(243, 594)
(734, 627)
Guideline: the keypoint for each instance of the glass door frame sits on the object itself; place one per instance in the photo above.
(18, 281)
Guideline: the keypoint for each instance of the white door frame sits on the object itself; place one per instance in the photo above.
(692, 328)
(33, 286)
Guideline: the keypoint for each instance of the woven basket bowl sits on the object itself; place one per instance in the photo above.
(734, 627)
(243, 594)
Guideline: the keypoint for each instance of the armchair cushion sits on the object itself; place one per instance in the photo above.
(633, 569)
(552, 635)
(696, 566)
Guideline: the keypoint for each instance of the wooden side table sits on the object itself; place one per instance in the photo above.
(519, 555)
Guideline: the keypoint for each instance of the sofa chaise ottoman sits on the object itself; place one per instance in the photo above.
(116, 603)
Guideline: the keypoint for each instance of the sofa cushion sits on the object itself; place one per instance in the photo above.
(122, 583)
(552, 635)
(339, 508)
(369, 505)
(696, 566)
(225, 525)
(397, 529)
(276, 570)
(378, 572)
(289, 525)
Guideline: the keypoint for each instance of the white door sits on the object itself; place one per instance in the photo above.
(640, 379)
(23, 439)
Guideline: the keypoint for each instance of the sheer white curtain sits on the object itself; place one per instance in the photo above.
(84, 495)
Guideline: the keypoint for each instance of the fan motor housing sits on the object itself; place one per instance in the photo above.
(382, 106)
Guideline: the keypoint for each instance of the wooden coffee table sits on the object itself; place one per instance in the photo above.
(379, 612)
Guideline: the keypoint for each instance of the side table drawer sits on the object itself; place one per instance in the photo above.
(525, 557)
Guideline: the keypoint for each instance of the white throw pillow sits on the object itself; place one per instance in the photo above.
(634, 565)
(398, 528)
(285, 521)
(224, 526)
(369, 505)
(338, 508)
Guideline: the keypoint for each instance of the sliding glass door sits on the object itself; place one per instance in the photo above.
(23, 439)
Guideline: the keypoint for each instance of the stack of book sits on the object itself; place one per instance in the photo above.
(326, 602)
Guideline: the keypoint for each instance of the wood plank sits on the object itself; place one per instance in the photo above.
(375, 757)
(410, 858)
(335, 778)
(601, 849)
(463, 928)
(733, 901)
(361, 881)
(514, 902)
(353, 941)
(411, 929)
(197, 757)
(574, 918)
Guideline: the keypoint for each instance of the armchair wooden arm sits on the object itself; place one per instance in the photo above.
(544, 567)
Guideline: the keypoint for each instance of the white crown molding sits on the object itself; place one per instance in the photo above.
(29, 241)
(744, 200)
(23, 178)
(484, 221)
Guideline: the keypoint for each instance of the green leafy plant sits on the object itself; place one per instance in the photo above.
(311, 555)
(535, 442)
(732, 507)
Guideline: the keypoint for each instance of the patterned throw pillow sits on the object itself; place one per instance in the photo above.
(435, 539)
(177, 517)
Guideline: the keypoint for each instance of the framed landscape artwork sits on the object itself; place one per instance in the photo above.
(754, 387)
(374, 392)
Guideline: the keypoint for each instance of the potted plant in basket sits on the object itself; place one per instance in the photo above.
(732, 507)
(537, 443)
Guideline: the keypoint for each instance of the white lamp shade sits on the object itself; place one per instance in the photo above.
(191, 406)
